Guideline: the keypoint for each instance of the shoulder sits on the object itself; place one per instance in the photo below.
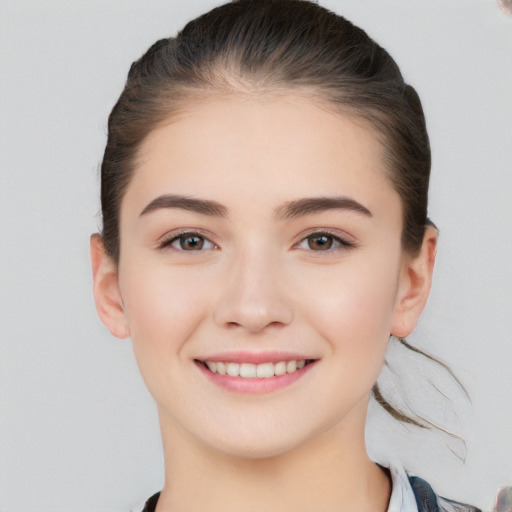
(150, 504)
(428, 501)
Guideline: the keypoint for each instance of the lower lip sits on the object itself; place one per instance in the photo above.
(254, 385)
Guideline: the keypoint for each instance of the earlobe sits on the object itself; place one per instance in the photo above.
(107, 294)
(414, 286)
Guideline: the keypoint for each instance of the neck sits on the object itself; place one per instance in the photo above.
(332, 473)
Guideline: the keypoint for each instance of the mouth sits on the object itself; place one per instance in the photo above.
(264, 370)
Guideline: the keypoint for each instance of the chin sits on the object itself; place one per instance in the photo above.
(257, 449)
(263, 443)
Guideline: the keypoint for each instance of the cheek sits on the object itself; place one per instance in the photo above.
(353, 309)
(164, 306)
(164, 309)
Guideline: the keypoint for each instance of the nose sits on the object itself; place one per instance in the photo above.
(254, 294)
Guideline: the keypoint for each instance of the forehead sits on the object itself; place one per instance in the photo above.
(243, 148)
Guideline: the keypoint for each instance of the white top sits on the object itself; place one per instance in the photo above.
(402, 496)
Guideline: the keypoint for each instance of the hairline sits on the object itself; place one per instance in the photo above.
(184, 95)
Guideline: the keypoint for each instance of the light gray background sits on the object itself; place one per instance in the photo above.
(78, 430)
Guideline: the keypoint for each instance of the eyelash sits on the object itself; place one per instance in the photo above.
(340, 243)
(167, 243)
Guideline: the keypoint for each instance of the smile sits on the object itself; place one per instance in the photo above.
(256, 371)
(254, 377)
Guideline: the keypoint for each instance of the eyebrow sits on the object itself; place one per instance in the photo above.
(290, 210)
(202, 206)
(309, 205)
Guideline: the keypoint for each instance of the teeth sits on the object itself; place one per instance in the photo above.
(291, 366)
(280, 368)
(265, 370)
(248, 370)
(251, 371)
(233, 369)
(221, 368)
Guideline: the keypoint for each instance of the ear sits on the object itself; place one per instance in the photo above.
(414, 286)
(107, 294)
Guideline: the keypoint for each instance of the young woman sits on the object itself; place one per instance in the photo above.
(265, 232)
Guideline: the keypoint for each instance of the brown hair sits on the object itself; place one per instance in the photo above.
(269, 45)
(266, 46)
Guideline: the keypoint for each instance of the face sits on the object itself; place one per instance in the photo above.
(261, 273)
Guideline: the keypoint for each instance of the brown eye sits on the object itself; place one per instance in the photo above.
(320, 242)
(191, 242)
(188, 242)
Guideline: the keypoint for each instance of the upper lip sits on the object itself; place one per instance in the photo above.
(255, 357)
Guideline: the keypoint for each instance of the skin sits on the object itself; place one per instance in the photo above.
(259, 284)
